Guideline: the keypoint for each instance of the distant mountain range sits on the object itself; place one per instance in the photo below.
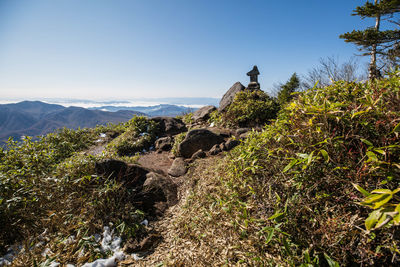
(33, 118)
(157, 110)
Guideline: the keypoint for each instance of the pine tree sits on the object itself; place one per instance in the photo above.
(373, 40)
(285, 94)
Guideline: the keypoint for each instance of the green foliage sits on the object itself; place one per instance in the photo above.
(373, 40)
(49, 184)
(287, 89)
(140, 134)
(385, 212)
(187, 118)
(216, 118)
(288, 190)
(177, 140)
(251, 108)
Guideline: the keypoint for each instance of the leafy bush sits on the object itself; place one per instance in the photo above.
(251, 108)
(49, 184)
(140, 135)
(177, 140)
(288, 191)
(216, 118)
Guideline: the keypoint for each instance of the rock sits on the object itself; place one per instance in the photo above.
(242, 131)
(198, 155)
(203, 113)
(198, 139)
(146, 245)
(157, 194)
(244, 135)
(216, 149)
(178, 167)
(231, 143)
(164, 143)
(170, 126)
(228, 97)
(132, 175)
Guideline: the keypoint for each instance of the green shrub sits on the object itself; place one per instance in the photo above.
(216, 118)
(140, 135)
(251, 108)
(288, 190)
(177, 140)
(187, 118)
(48, 184)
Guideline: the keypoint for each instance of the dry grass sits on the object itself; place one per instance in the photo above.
(197, 233)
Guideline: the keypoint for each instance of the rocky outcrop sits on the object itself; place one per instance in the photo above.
(154, 192)
(164, 143)
(178, 167)
(157, 194)
(198, 139)
(203, 113)
(132, 175)
(228, 97)
(170, 126)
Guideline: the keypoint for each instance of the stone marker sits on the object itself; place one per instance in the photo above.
(253, 79)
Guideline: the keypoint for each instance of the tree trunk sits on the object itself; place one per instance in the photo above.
(373, 71)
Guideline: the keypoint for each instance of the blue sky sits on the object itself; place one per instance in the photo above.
(123, 49)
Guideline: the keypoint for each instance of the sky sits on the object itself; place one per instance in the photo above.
(125, 49)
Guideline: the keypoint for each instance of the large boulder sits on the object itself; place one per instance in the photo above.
(170, 126)
(157, 194)
(202, 114)
(198, 139)
(228, 97)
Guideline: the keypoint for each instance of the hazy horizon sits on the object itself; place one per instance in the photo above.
(193, 102)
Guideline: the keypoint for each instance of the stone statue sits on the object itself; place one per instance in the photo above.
(253, 78)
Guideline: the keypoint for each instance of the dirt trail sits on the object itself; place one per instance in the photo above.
(159, 162)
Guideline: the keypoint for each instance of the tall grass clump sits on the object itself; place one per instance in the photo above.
(292, 191)
(50, 193)
(139, 135)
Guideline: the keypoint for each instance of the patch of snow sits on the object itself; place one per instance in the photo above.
(69, 240)
(136, 257)
(109, 243)
(97, 238)
(46, 252)
(110, 262)
(145, 222)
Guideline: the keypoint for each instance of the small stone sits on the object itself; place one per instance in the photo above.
(164, 143)
(199, 154)
(242, 131)
(230, 144)
(178, 167)
(215, 150)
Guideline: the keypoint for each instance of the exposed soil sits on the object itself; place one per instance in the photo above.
(160, 162)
